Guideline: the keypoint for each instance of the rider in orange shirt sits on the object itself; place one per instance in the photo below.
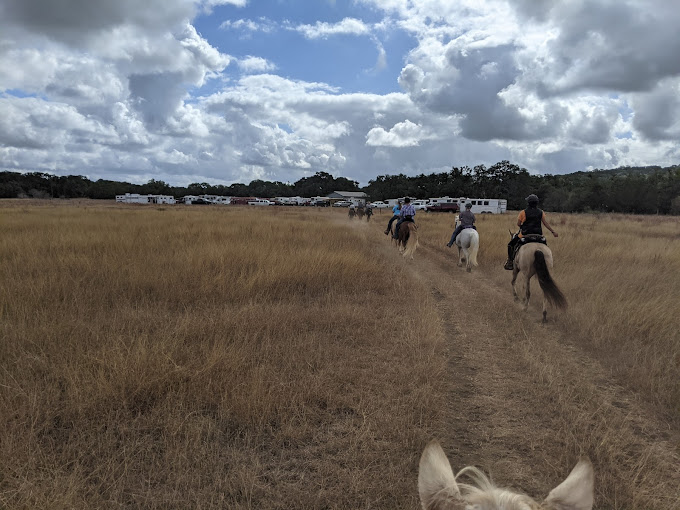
(529, 221)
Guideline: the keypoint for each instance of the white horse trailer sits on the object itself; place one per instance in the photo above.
(484, 205)
(136, 198)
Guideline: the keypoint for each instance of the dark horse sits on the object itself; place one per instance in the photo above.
(407, 239)
(369, 213)
(352, 213)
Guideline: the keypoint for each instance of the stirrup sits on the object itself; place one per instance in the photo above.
(509, 265)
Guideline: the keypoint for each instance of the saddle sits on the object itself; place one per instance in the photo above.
(533, 238)
(529, 238)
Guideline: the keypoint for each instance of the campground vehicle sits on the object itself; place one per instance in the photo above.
(260, 201)
(379, 204)
(443, 204)
(484, 205)
(342, 203)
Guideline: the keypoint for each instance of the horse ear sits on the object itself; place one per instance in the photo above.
(576, 492)
(436, 483)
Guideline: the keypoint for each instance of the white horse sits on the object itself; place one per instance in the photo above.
(440, 490)
(468, 246)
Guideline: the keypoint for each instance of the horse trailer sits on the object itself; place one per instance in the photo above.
(484, 205)
(136, 198)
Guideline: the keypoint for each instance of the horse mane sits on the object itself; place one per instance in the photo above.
(483, 492)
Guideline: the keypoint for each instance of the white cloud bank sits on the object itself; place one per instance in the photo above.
(108, 89)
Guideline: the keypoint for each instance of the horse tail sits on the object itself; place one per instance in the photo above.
(412, 243)
(552, 293)
(474, 247)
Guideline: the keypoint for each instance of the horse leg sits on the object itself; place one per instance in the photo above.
(528, 294)
(545, 310)
(515, 272)
(460, 258)
(468, 266)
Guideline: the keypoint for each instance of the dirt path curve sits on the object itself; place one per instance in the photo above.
(525, 401)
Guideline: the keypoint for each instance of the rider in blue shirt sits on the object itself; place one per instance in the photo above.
(396, 210)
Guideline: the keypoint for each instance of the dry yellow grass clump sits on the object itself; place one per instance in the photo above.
(201, 358)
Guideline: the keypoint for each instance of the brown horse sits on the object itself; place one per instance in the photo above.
(407, 238)
(440, 490)
(536, 259)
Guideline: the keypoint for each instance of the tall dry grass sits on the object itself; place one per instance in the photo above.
(171, 357)
(621, 274)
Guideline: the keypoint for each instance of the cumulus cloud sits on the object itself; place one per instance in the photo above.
(348, 26)
(402, 134)
(624, 46)
(252, 64)
(74, 21)
(262, 25)
(130, 89)
(657, 113)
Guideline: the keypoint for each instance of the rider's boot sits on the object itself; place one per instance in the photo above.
(508, 263)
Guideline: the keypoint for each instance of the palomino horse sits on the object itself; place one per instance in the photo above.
(407, 238)
(468, 245)
(440, 490)
(536, 259)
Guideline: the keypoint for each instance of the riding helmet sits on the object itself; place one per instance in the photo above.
(532, 199)
(468, 205)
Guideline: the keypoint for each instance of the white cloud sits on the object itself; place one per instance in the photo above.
(255, 65)
(403, 134)
(263, 25)
(348, 26)
(555, 86)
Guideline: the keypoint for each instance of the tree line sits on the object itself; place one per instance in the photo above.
(640, 190)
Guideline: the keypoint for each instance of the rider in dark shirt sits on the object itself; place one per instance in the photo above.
(529, 221)
(467, 220)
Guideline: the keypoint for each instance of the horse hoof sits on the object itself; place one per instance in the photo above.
(469, 270)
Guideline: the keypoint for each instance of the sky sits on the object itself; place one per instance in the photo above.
(225, 91)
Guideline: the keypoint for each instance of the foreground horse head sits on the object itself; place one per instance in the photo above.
(468, 246)
(440, 490)
(407, 239)
(536, 259)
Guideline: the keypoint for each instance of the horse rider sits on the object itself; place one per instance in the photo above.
(369, 212)
(408, 213)
(352, 211)
(396, 210)
(467, 220)
(529, 222)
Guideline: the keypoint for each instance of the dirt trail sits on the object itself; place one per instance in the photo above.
(523, 396)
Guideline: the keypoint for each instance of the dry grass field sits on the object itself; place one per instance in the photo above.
(174, 357)
(207, 358)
